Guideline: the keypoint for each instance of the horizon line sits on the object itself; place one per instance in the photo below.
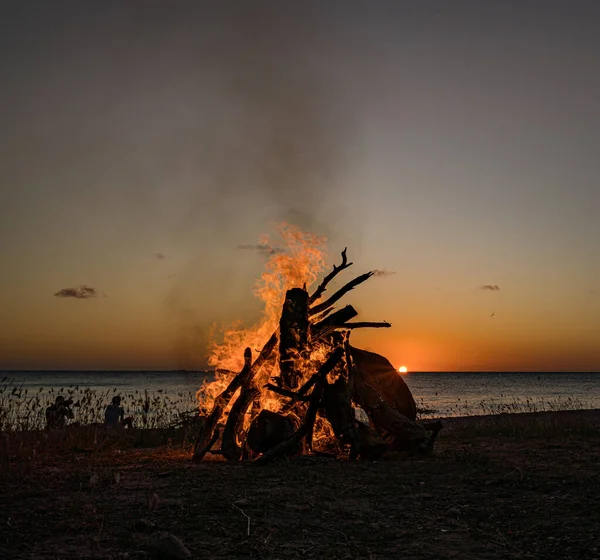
(409, 372)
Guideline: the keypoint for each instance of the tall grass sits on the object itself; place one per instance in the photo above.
(513, 405)
(159, 418)
(21, 410)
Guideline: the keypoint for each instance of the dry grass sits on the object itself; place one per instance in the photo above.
(21, 410)
(159, 420)
(503, 405)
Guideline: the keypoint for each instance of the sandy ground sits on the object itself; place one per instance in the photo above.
(495, 488)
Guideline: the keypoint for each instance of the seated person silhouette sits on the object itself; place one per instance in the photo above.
(58, 413)
(114, 415)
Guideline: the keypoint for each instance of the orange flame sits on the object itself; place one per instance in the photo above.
(298, 261)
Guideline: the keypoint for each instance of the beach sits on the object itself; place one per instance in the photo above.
(501, 486)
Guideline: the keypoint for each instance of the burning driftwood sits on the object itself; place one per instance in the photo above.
(321, 380)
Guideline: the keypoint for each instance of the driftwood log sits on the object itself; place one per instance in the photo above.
(402, 432)
(205, 441)
(382, 376)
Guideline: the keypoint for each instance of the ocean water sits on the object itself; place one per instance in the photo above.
(437, 393)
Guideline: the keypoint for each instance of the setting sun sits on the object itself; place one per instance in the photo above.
(403, 369)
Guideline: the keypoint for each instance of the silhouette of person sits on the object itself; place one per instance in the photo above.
(114, 415)
(58, 413)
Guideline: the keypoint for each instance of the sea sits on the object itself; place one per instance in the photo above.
(438, 394)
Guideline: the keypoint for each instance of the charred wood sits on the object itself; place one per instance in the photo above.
(322, 315)
(301, 393)
(334, 321)
(264, 355)
(340, 293)
(371, 446)
(244, 378)
(205, 436)
(305, 431)
(405, 433)
(382, 376)
(293, 337)
(260, 379)
(340, 413)
(249, 396)
(295, 395)
(269, 429)
(349, 363)
(336, 270)
(232, 451)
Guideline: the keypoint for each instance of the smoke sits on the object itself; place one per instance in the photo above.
(263, 249)
(490, 287)
(191, 347)
(80, 292)
(273, 144)
(383, 272)
(274, 124)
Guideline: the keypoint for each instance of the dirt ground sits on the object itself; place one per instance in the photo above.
(485, 494)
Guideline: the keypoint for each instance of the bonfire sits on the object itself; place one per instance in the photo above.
(294, 384)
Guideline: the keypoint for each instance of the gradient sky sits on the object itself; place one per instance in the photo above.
(454, 143)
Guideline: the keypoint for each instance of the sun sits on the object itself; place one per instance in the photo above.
(403, 369)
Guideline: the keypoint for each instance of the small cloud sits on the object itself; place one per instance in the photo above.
(159, 256)
(384, 272)
(80, 292)
(490, 287)
(262, 249)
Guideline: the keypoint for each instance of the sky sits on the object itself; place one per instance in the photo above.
(451, 143)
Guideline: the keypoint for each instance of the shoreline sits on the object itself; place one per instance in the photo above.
(587, 413)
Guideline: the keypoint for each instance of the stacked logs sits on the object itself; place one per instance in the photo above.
(331, 388)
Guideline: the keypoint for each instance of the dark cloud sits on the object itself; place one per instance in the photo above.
(80, 292)
(383, 272)
(490, 287)
(262, 249)
(159, 256)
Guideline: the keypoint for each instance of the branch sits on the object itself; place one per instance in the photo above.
(335, 320)
(220, 404)
(230, 448)
(301, 392)
(336, 270)
(291, 394)
(322, 315)
(264, 355)
(340, 293)
(204, 441)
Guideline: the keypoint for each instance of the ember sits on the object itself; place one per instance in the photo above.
(302, 387)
